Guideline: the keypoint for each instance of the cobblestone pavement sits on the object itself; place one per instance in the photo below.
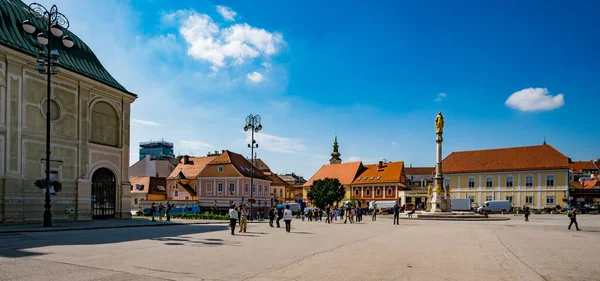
(541, 249)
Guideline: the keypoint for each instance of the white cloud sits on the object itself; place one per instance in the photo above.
(394, 143)
(194, 144)
(440, 97)
(222, 47)
(144, 122)
(534, 99)
(227, 13)
(354, 159)
(255, 77)
(277, 144)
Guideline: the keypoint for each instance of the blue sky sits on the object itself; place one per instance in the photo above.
(375, 73)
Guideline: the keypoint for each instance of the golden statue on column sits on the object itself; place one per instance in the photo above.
(439, 123)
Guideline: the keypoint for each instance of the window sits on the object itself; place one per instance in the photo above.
(472, 198)
(549, 199)
(187, 198)
(378, 191)
(253, 188)
(176, 193)
(510, 181)
(220, 169)
(389, 191)
(446, 182)
(471, 182)
(529, 181)
(135, 201)
(356, 192)
(281, 193)
(528, 199)
(509, 198)
(246, 188)
(231, 188)
(408, 200)
(489, 198)
(489, 181)
(220, 187)
(550, 181)
(372, 177)
(105, 124)
(368, 191)
(139, 186)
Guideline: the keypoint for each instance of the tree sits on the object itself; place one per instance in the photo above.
(325, 192)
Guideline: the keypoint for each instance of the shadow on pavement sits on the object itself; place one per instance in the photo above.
(17, 245)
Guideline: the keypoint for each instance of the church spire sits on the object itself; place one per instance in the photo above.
(335, 155)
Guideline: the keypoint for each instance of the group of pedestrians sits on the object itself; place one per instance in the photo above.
(244, 213)
(161, 210)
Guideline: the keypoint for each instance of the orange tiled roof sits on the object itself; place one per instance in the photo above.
(345, 173)
(579, 166)
(193, 168)
(419, 170)
(240, 163)
(392, 172)
(524, 158)
(586, 184)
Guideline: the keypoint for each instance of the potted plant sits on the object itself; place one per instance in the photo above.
(42, 184)
(251, 200)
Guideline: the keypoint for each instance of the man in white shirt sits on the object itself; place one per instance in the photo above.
(287, 218)
(233, 215)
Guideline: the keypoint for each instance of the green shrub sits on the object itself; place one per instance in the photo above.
(200, 217)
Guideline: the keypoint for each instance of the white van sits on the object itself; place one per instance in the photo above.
(382, 205)
(495, 206)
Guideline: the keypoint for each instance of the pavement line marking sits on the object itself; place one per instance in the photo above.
(519, 259)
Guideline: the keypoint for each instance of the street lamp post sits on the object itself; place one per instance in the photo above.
(52, 24)
(253, 124)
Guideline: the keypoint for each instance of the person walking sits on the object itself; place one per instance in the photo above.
(396, 214)
(572, 214)
(327, 213)
(358, 214)
(233, 216)
(374, 217)
(168, 211)
(279, 216)
(271, 216)
(153, 210)
(526, 213)
(351, 214)
(287, 218)
(160, 211)
(244, 219)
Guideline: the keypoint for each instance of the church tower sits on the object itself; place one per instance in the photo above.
(335, 155)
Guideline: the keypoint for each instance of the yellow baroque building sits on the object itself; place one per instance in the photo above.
(536, 176)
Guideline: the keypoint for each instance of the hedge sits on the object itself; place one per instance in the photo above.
(199, 217)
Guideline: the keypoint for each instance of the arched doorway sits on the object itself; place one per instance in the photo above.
(104, 189)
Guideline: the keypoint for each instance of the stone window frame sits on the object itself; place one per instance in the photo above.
(529, 176)
(550, 180)
(512, 181)
(471, 180)
(489, 181)
(530, 201)
(550, 201)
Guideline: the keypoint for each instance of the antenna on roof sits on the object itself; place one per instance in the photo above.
(544, 140)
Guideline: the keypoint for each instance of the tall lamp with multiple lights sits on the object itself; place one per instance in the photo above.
(52, 24)
(253, 124)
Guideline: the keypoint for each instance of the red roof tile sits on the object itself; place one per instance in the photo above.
(345, 173)
(586, 184)
(579, 166)
(538, 157)
(419, 170)
(240, 163)
(392, 172)
(193, 168)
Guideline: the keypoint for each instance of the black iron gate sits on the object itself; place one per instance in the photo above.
(104, 187)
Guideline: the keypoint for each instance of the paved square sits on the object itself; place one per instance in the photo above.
(541, 249)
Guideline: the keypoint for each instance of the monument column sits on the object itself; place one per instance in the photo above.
(439, 199)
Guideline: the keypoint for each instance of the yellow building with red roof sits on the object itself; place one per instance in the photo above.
(536, 176)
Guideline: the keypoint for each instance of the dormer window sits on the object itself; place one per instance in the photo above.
(372, 178)
(365, 178)
(378, 177)
(220, 169)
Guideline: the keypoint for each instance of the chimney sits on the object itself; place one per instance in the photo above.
(380, 164)
(222, 151)
(186, 159)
